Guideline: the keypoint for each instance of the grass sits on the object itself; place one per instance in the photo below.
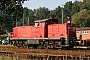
(6, 45)
(11, 58)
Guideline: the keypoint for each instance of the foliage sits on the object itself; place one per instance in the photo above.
(13, 14)
(68, 9)
(81, 19)
(9, 10)
(57, 13)
(42, 13)
(3, 37)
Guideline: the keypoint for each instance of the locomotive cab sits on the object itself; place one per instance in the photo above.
(41, 27)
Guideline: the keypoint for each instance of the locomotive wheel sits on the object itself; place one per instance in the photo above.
(25, 46)
(19, 43)
(43, 44)
(50, 44)
(57, 45)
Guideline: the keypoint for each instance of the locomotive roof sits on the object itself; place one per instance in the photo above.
(43, 20)
(84, 28)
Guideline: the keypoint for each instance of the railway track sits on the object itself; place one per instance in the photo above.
(47, 56)
(11, 51)
(44, 51)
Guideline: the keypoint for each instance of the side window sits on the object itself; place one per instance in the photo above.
(40, 24)
(84, 32)
(77, 32)
(36, 24)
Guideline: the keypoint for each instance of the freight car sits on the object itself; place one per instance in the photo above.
(46, 33)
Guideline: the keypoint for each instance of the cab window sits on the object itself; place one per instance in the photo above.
(40, 24)
(36, 24)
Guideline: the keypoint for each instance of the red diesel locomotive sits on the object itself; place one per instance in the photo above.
(46, 33)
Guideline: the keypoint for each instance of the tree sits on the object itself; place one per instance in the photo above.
(85, 5)
(82, 18)
(57, 14)
(75, 7)
(42, 13)
(68, 9)
(29, 16)
(9, 10)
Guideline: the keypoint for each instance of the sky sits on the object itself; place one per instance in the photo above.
(51, 4)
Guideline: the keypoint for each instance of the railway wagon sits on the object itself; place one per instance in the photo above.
(46, 33)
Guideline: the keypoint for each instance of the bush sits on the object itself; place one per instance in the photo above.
(3, 37)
